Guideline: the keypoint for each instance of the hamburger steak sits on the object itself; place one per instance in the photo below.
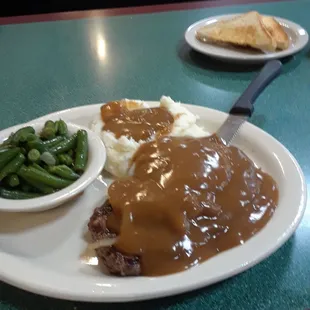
(188, 200)
(114, 261)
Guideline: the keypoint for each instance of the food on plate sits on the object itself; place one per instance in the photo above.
(36, 164)
(247, 30)
(244, 30)
(187, 200)
(277, 32)
(126, 124)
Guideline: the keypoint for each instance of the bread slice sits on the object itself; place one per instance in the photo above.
(277, 32)
(244, 30)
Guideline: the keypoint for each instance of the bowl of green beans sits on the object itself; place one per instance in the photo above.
(45, 164)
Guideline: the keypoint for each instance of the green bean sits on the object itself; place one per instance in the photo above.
(53, 142)
(48, 133)
(24, 136)
(56, 126)
(38, 167)
(34, 155)
(81, 155)
(62, 128)
(13, 180)
(3, 150)
(21, 132)
(7, 155)
(49, 130)
(64, 146)
(38, 145)
(13, 166)
(42, 188)
(31, 136)
(70, 153)
(65, 159)
(64, 172)
(49, 123)
(14, 194)
(36, 185)
(43, 177)
(5, 146)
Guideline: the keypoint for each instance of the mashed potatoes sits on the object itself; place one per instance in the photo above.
(120, 151)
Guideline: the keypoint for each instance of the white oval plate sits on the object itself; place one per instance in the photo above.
(43, 252)
(298, 39)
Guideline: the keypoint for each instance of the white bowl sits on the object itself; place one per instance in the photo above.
(96, 161)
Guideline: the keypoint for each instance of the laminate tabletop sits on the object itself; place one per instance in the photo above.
(58, 61)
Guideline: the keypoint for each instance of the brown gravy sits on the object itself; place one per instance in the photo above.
(139, 124)
(188, 200)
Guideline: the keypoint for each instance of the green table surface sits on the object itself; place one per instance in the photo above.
(51, 66)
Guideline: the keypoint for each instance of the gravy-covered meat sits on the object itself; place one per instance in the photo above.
(188, 199)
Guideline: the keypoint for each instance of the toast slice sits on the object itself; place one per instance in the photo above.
(244, 30)
(277, 32)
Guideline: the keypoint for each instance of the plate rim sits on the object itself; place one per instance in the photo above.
(246, 58)
(37, 285)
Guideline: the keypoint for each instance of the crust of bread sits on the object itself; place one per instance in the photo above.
(277, 32)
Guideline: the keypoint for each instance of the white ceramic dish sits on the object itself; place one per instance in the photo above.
(44, 252)
(298, 40)
(96, 161)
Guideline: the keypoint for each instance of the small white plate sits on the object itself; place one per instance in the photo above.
(96, 161)
(44, 252)
(298, 39)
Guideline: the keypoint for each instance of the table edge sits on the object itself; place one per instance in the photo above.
(125, 11)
